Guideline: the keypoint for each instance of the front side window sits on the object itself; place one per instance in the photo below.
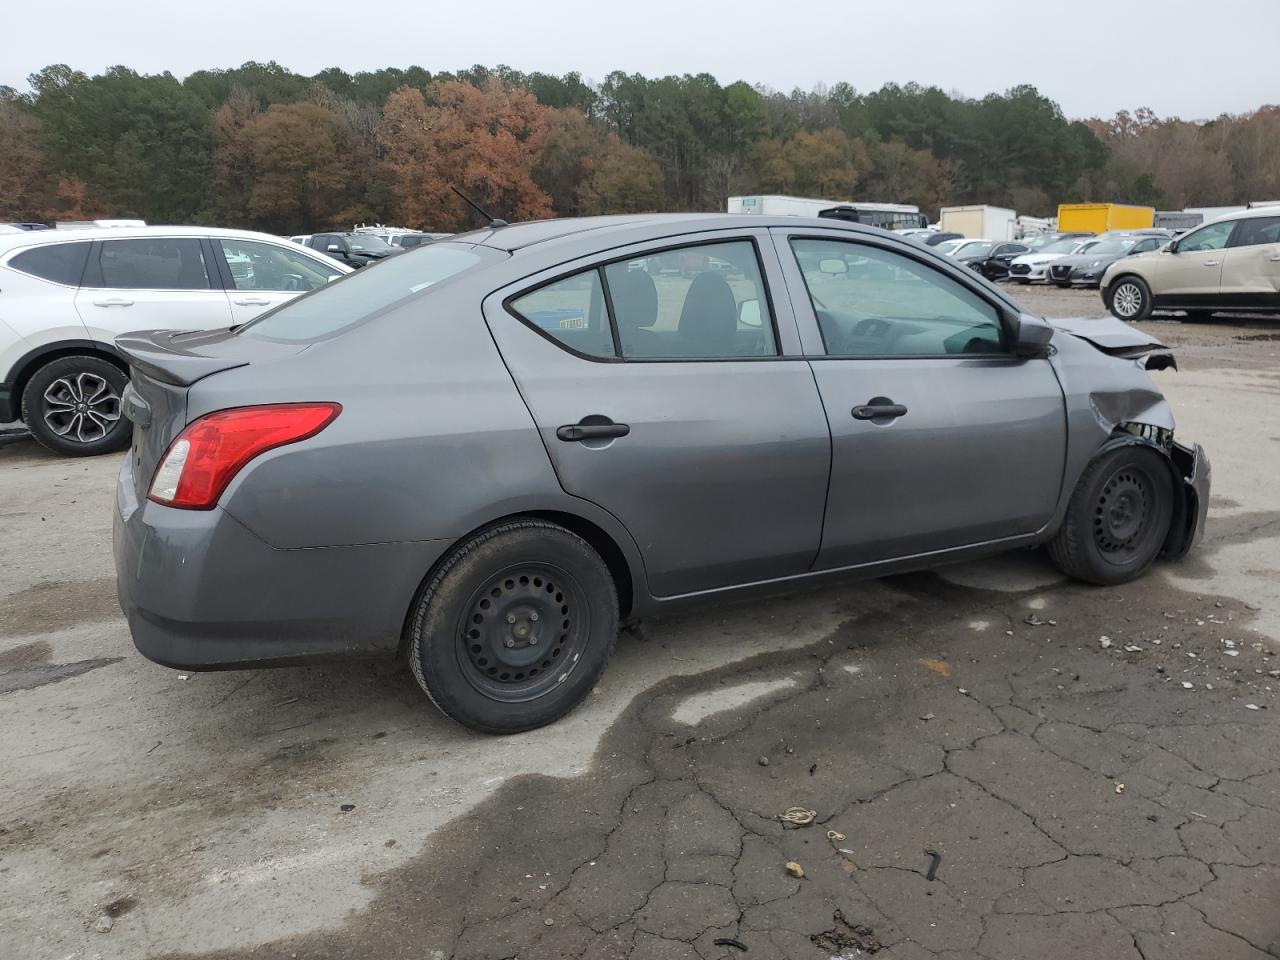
(358, 296)
(267, 266)
(1146, 246)
(60, 262)
(704, 302)
(570, 311)
(871, 302)
(1212, 237)
(1254, 231)
(154, 263)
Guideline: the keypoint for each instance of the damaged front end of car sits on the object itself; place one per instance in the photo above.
(1103, 367)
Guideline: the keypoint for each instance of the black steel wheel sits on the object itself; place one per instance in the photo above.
(523, 632)
(515, 626)
(1118, 518)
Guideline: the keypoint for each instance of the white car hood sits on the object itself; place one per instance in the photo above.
(1035, 259)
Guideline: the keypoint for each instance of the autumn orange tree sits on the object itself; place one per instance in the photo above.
(485, 140)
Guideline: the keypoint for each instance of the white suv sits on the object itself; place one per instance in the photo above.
(66, 295)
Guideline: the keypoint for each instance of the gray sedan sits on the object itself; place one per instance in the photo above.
(485, 454)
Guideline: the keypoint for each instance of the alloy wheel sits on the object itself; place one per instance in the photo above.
(81, 408)
(1127, 299)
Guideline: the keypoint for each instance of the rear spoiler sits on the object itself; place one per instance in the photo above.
(171, 356)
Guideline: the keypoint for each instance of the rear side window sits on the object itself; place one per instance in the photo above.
(571, 311)
(1253, 231)
(704, 302)
(59, 262)
(358, 296)
(154, 263)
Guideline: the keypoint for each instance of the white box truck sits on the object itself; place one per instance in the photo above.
(980, 222)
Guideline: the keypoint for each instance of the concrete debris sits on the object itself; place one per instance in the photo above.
(795, 869)
(1104, 642)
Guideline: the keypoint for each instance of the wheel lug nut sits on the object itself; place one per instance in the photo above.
(510, 642)
(532, 641)
(534, 615)
(511, 618)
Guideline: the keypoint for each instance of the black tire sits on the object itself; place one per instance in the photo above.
(1118, 518)
(72, 406)
(1128, 298)
(475, 628)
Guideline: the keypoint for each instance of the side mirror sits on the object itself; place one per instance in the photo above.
(1171, 246)
(833, 266)
(333, 248)
(749, 313)
(1031, 337)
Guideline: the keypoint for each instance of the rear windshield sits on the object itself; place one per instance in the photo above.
(358, 296)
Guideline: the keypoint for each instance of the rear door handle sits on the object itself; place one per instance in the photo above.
(113, 302)
(572, 432)
(876, 411)
(252, 303)
(1212, 263)
(1275, 259)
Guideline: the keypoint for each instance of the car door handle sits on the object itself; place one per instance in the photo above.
(876, 411)
(1275, 259)
(572, 432)
(252, 302)
(113, 302)
(1212, 263)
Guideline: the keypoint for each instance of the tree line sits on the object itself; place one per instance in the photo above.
(260, 146)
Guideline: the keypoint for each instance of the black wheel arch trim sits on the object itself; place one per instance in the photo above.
(33, 360)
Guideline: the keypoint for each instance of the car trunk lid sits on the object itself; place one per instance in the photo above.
(163, 365)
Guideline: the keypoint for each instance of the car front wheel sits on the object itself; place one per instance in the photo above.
(1118, 518)
(1129, 299)
(72, 406)
(515, 627)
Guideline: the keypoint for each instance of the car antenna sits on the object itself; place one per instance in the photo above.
(493, 221)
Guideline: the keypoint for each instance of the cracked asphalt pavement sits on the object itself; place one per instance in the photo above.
(1097, 770)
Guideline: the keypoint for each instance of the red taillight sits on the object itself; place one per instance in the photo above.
(202, 460)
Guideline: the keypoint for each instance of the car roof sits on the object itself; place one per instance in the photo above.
(622, 229)
(31, 238)
(1271, 211)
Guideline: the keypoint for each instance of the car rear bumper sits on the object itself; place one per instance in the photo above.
(202, 592)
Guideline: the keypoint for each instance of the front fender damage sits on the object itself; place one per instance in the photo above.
(1112, 402)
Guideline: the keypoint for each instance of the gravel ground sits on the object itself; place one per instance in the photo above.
(1087, 797)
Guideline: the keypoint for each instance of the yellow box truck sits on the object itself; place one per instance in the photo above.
(1101, 217)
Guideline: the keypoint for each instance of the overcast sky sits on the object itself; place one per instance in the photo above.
(1188, 58)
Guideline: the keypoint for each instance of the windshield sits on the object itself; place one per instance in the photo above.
(368, 243)
(360, 295)
(975, 249)
(1110, 246)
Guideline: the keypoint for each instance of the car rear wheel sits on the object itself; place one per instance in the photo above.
(1129, 299)
(1118, 518)
(72, 406)
(514, 629)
